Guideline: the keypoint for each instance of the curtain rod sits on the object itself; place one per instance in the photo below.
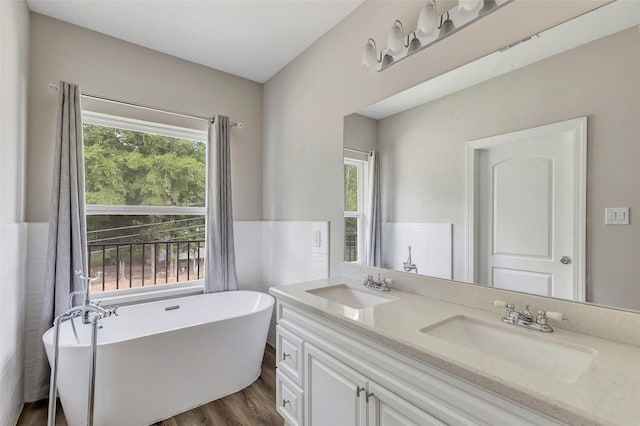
(359, 151)
(239, 125)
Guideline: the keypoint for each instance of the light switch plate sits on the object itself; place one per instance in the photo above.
(616, 216)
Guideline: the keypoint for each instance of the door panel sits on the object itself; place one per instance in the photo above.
(332, 397)
(523, 207)
(527, 281)
(527, 209)
(387, 409)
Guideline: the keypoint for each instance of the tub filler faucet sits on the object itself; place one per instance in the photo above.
(91, 313)
(87, 305)
(409, 265)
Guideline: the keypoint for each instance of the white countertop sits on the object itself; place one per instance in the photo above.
(607, 393)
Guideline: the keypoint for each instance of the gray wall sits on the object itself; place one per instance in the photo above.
(14, 39)
(304, 104)
(360, 133)
(424, 160)
(14, 73)
(110, 67)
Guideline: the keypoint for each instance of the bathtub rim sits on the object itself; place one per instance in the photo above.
(47, 336)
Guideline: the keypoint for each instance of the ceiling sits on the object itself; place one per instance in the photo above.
(251, 39)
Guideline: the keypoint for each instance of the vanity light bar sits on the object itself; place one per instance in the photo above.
(438, 19)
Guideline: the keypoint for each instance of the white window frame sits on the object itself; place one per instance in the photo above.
(141, 294)
(359, 213)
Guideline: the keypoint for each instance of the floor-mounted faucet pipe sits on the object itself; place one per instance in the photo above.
(53, 385)
(53, 382)
(92, 368)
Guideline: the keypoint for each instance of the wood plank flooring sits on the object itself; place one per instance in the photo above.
(254, 405)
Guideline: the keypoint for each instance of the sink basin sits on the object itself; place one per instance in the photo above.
(348, 296)
(557, 360)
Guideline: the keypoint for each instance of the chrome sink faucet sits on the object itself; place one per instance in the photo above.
(381, 284)
(525, 319)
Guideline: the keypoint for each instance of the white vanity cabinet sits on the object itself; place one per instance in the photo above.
(335, 393)
(328, 375)
(339, 395)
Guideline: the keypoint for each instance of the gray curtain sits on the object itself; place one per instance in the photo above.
(374, 229)
(67, 247)
(220, 262)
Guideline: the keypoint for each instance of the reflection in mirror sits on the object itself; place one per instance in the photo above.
(516, 171)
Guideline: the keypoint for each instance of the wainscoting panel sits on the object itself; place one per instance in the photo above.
(13, 252)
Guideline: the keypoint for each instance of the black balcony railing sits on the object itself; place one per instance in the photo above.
(129, 265)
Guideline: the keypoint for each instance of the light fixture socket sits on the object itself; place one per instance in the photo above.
(387, 60)
(487, 6)
(447, 26)
(414, 44)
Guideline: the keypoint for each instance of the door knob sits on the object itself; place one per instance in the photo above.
(565, 260)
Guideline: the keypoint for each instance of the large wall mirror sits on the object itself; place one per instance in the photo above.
(520, 170)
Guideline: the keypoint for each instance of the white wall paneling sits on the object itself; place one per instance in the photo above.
(12, 313)
(267, 254)
(431, 247)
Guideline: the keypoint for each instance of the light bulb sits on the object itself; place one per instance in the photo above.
(395, 40)
(369, 54)
(469, 5)
(428, 19)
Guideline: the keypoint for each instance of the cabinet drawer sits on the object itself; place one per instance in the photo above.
(289, 400)
(289, 354)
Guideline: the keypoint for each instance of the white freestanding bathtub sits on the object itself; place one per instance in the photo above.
(158, 359)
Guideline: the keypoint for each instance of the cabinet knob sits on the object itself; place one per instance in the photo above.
(358, 390)
(369, 395)
(285, 356)
(285, 402)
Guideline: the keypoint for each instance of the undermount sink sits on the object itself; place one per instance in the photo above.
(557, 360)
(351, 297)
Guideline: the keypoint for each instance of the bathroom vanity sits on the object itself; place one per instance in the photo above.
(348, 355)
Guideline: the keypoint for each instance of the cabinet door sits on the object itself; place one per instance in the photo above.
(334, 393)
(388, 409)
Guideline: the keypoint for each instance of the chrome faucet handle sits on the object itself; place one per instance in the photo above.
(511, 315)
(543, 315)
(501, 304)
(80, 275)
(541, 318)
(558, 316)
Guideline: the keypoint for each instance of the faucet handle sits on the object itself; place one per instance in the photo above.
(558, 316)
(501, 304)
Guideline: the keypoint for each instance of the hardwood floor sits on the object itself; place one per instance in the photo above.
(254, 405)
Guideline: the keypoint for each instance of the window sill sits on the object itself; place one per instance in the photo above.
(148, 294)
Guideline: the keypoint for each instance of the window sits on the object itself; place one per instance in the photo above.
(145, 194)
(353, 210)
